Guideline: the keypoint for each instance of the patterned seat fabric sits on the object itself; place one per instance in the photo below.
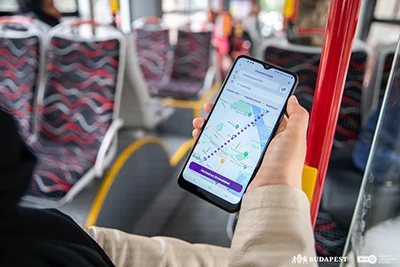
(387, 67)
(152, 48)
(329, 236)
(306, 66)
(19, 71)
(75, 114)
(190, 66)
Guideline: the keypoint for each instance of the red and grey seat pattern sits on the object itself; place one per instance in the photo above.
(75, 112)
(330, 237)
(387, 67)
(19, 72)
(306, 65)
(190, 65)
(152, 50)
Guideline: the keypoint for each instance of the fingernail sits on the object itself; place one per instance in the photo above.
(294, 99)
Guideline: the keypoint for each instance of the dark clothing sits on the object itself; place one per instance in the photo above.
(33, 237)
(235, 42)
(39, 15)
(26, 6)
(16, 164)
(33, 9)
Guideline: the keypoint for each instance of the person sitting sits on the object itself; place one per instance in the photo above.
(274, 225)
(43, 10)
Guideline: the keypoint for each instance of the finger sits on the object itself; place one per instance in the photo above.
(195, 133)
(282, 125)
(198, 123)
(208, 106)
(298, 116)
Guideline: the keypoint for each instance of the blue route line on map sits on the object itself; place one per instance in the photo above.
(253, 122)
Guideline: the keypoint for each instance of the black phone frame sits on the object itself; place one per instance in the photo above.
(207, 196)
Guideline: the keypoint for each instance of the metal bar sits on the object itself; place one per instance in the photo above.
(91, 7)
(387, 21)
(365, 20)
(336, 51)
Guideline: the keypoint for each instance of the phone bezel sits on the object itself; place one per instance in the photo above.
(207, 196)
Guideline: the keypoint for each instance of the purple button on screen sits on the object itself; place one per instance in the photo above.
(215, 176)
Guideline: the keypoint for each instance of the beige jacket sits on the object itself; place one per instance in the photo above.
(274, 226)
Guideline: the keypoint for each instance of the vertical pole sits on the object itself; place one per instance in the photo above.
(91, 7)
(336, 51)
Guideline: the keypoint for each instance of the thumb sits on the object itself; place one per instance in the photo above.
(298, 116)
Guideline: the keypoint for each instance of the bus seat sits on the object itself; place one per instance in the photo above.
(148, 24)
(78, 110)
(379, 78)
(191, 72)
(138, 108)
(20, 69)
(152, 48)
(343, 179)
(304, 60)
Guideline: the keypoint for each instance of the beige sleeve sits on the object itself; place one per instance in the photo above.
(126, 250)
(274, 226)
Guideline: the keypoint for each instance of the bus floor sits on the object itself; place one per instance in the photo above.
(174, 212)
(184, 216)
(190, 218)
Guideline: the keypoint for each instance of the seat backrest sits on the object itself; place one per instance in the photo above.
(20, 62)
(304, 61)
(152, 50)
(149, 24)
(83, 86)
(192, 55)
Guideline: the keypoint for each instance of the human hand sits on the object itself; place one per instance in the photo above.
(284, 159)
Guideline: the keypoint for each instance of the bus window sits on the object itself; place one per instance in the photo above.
(179, 13)
(8, 6)
(102, 9)
(383, 23)
(271, 17)
(376, 222)
(66, 6)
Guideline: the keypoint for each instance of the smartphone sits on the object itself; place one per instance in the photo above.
(236, 134)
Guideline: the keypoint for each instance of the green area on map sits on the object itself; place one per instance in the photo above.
(220, 126)
(240, 157)
(255, 146)
(241, 106)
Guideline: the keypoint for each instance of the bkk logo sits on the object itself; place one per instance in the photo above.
(380, 259)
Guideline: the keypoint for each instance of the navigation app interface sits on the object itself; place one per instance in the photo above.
(238, 130)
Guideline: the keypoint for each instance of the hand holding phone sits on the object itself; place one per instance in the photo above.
(240, 127)
(284, 158)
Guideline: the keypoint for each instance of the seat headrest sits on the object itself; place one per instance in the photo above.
(85, 30)
(20, 27)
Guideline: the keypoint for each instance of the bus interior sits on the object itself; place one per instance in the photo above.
(106, 100)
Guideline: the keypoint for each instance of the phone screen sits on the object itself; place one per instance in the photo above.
(238, 129)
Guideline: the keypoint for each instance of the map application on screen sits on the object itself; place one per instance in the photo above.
(238, 130)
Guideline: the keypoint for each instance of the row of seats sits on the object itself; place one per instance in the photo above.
(64, 90)
(305, 60)
(358, 99)
(184, 75)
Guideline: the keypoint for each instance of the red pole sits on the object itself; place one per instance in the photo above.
(336, 51)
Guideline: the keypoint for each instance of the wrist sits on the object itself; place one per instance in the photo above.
(261, 181)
